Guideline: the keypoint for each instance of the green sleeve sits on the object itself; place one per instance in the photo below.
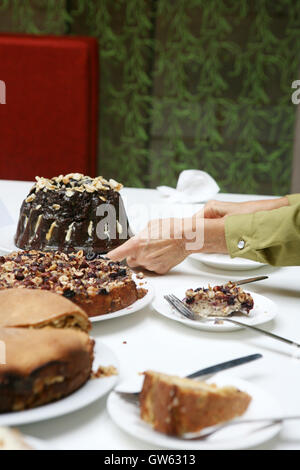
(293, 199)
(271, 237)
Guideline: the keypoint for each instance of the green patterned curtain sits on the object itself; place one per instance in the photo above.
(186, 84)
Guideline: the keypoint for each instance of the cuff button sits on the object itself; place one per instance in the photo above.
(241, 244)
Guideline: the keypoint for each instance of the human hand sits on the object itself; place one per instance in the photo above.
(160, 246)
(164, 243)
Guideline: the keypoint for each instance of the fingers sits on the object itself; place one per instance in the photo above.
(132, 262)
(123, 251)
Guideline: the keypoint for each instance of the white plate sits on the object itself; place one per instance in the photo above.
(36, 444)
(220, 261)
(264, 310)
(137, 305)
(90, 392)
(7, 244)
(126, 416)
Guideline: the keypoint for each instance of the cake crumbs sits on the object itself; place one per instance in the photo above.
(104, 371)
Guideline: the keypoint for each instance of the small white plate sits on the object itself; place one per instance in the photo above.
(135, 307)
(264, 310)
(7, 244)
(36, 444)
(87, 394)
(126, 416)
(220, 261)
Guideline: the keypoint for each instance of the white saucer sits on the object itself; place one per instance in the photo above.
(224, 262)
(126, 416)
(36, 444)
(264, 309)
(90, 392)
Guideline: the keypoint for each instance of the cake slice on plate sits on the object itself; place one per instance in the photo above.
(176, 406)
(218, 300)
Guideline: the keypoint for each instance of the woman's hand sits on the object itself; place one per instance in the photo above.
(158, 247)
(164, 243)
(217, 209)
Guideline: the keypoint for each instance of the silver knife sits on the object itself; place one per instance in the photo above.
(203, 373)
(209, 371)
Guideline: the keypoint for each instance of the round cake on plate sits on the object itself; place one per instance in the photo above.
(71, 213)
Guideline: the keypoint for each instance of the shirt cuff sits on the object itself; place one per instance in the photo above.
(239, 234)
(293, 199)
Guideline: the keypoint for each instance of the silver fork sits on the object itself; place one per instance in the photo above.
(187, 313)
(210, 431)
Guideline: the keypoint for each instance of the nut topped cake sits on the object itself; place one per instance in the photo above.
(93, 282)
(73, 212)
(219, 300)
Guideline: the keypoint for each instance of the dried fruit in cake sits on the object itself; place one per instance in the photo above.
(36, 308)
(219, 300)
(42, 366)
(73, 212)
(176, 406)
(98, 286)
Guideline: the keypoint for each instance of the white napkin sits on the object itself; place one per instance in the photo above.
(192, 186)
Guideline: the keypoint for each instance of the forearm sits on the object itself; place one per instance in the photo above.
(263, 205)
(210, 236)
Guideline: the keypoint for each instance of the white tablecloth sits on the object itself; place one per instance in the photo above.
(155, 342)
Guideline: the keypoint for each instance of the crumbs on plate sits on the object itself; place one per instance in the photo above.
(103, 371)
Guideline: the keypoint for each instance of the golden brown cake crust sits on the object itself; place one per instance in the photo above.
(39, 308)
(93, 282)
(42, 366)
(174, 408)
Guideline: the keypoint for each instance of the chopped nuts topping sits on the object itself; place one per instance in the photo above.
(30, 198)
(68, 275)
(74, 182)
(218, 300)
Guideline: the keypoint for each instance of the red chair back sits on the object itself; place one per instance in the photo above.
(49, 122)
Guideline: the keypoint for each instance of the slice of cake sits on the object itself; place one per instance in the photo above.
(73, 212)
(28, 308)
(219, 300)
(176, 406)
(93, 282)
(42, 366)
(12, 439)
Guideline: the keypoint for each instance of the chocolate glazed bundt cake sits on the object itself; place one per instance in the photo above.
(71, 213)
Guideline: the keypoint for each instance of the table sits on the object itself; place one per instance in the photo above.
(153, 341)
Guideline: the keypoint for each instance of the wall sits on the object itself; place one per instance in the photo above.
(193, 84)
